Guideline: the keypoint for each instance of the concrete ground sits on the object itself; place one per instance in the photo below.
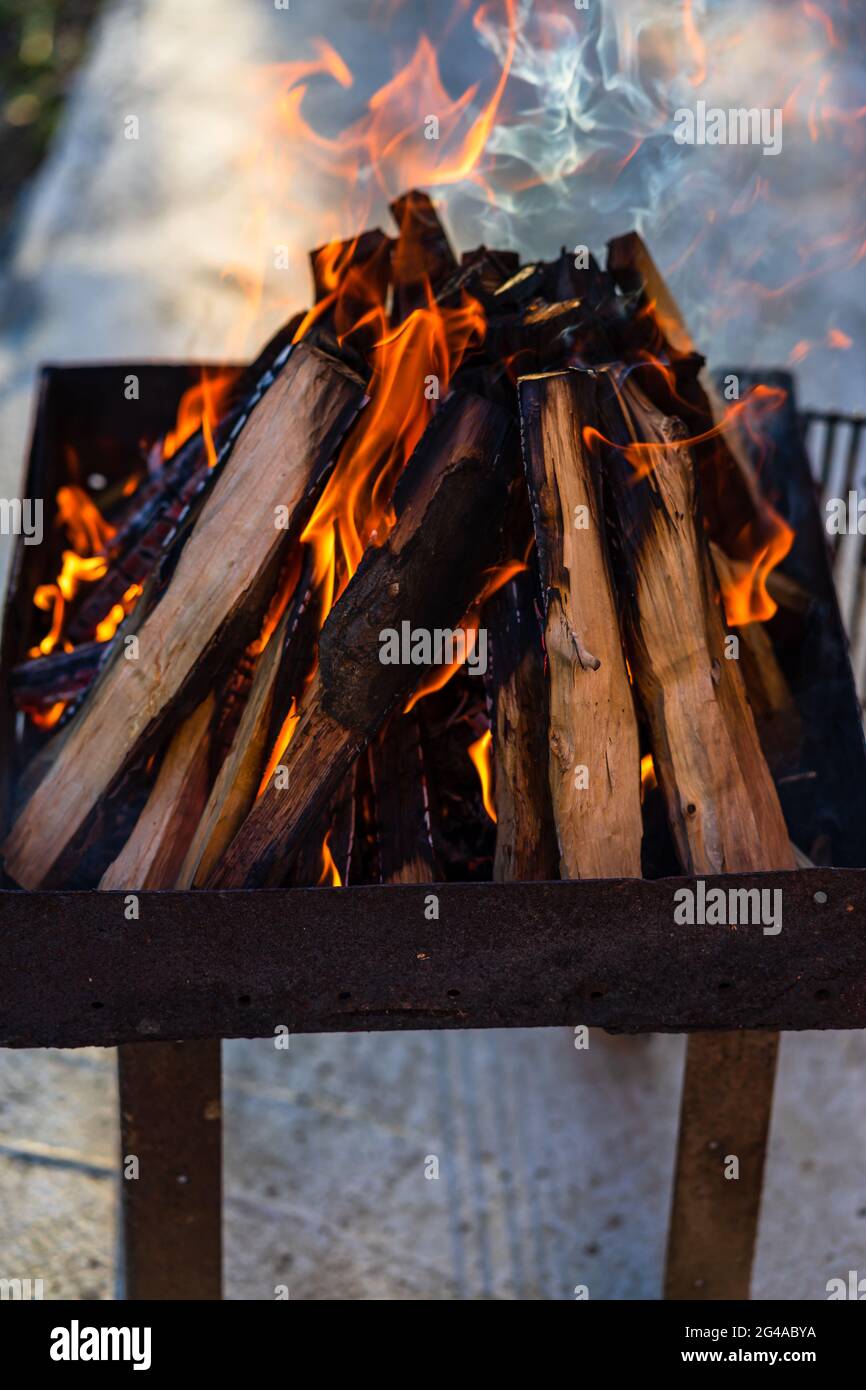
(554, 1163)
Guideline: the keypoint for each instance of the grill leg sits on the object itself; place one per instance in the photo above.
(170, 1121)
(726, 1105)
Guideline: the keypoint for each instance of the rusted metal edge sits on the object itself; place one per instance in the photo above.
(79, 969)
(727, 1106)
(171, 1170)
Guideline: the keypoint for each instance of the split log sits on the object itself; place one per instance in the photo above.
(211, 608)
(165, 502)
(594, 752)
(725, 817)
(739, 517)
(353, 277)
(426, 576)
(777, 718)
(526, 847)
(421, 256)
(402, 802)
(723, 808)
(153, 854)
(240, 775)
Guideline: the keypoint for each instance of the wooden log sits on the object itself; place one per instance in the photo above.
(61, 675)
(422, 258)
(154, 852)
(725, 817)
(425, 577)
(723, 808)
(526, 846)
(740, 519)
(238, 779)
(402, 800)
(594, 753)
(211, 608)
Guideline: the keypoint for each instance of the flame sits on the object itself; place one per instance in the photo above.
(47, 718)
(761, 544)
(200, 407)
(837, 339)
(354, 509)
(436, 680)
(330, 875)
(284, 738)
(647, 774)
(481, 753)
(383, 148)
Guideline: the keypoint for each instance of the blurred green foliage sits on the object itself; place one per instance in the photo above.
(41, 45)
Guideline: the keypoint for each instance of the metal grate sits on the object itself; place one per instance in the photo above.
(836, 445)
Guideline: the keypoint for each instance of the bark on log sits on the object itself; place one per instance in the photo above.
(594, 754)
(211, 608)
(425, 576)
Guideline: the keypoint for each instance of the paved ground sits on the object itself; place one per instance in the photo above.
(554, 1163)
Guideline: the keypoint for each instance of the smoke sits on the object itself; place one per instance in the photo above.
(767, 255)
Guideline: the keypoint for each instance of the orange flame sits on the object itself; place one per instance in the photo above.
(200, 407)
(284, 738)
(409, 363)
(481, 753)
(759, 547)
(647, 774)
(330, 876)
(436, 680)
(89, 534)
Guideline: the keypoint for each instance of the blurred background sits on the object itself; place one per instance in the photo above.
(258, 132)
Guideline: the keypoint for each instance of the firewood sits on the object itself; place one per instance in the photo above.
(724, 815)
(723, 808)
(449, 506)
(402, 800)
(773, 706)
(421, 257)
(154, 851)
(163, 503)
(211, 608)
(61, 675)
(526, 846)
(594, 757)
(738, 516)
(237, 782)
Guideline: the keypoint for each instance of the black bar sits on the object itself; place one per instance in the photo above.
(171, 1169)
(75, 972)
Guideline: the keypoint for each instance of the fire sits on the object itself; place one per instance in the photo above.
(330, 876)
(412, 366)
(436, 680)
(647, 774)
(481, 753)
(88, 533)
(284, 738)
(762, 544)
(200, 408)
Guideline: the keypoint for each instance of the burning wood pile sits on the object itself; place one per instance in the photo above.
(259, 665)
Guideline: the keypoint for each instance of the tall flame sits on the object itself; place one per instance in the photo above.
(481, 753)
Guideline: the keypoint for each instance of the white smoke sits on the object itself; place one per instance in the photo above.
(766, 255)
